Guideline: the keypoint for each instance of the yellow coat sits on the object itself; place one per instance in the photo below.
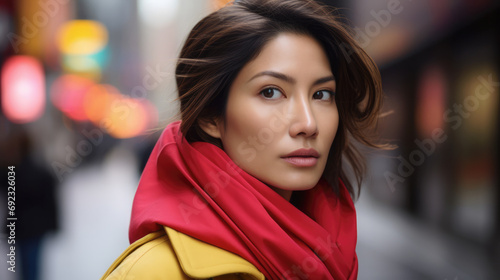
(172, 255)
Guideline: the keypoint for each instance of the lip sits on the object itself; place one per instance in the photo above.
(303, 153)
(302, 157)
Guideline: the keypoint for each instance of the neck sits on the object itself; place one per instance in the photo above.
(286, 194)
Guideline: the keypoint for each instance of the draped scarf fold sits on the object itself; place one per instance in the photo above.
(195, 188)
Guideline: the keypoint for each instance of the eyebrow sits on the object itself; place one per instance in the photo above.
(289, 79)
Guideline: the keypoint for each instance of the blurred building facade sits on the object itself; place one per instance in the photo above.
(440, 64)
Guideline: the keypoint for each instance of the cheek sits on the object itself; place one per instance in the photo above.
(246, 118)
(330, 126)
(249, 134)
(240, 130)
(334, 127)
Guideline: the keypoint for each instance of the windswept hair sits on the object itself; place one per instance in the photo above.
(223, 42)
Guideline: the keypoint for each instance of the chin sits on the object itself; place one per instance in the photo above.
(298, 186)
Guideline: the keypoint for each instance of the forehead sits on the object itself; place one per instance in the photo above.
(292, 54)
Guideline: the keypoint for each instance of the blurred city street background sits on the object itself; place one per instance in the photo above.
(87, 85)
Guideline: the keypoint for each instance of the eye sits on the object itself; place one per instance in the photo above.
(324, 95)
(271, 93)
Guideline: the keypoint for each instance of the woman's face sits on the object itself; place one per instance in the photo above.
(281, 115)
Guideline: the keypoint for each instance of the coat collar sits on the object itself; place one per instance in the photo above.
(202, 260)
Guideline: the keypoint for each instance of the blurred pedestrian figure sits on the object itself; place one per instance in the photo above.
(35, 203)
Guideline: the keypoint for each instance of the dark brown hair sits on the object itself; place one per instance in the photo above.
(223, 42)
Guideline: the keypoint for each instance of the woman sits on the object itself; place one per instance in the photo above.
(250, 184)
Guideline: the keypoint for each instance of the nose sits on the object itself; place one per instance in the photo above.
(303, 121)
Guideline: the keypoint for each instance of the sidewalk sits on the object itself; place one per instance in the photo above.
(95, 203)
(392, 245)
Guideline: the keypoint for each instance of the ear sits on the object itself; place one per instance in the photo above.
(211, 127)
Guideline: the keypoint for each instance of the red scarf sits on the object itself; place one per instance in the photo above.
(195, 188)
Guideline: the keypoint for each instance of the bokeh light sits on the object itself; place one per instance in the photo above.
(157, 13)
(431, 99)
(82, 37)
(98, 101)
(126, 118)
(217, 4)
(68, 95)
(23, 89)
(83, 46)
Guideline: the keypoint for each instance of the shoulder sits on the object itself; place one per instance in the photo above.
(170, 254)
(151, 257)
